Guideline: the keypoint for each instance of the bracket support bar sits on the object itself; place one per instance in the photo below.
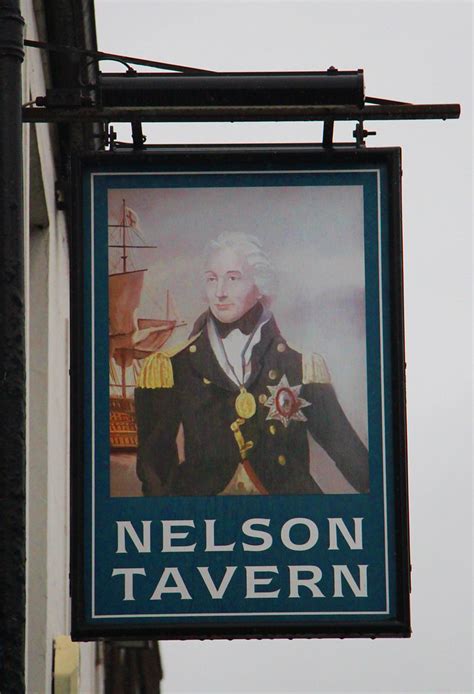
(240, 113)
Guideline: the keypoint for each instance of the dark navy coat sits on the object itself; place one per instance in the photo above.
(195, 392)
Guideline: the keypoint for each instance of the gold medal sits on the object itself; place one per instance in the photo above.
(245, 404)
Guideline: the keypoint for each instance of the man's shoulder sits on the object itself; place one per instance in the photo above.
(313, 365)
(158, 370)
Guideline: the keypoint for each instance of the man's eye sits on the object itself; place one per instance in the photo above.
(210, 279)
(234, 278)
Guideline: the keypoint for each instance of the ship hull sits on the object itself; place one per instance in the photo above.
(123, 426)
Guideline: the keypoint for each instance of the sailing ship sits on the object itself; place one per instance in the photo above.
(131, 338)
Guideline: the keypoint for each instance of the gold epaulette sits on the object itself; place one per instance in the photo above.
(157, 369)
(315, 369)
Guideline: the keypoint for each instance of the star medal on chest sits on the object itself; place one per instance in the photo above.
(285, 403)
(245, 404)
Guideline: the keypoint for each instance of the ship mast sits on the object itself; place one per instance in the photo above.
(125, 288)
(124, 238)
(124, 262)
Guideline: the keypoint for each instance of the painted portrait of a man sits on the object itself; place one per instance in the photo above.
(233, 409)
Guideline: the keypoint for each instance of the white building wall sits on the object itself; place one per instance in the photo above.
(47, 278)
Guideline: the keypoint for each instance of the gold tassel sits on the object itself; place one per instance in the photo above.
(157, 372)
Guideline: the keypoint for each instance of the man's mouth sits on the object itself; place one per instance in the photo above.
(223, 307)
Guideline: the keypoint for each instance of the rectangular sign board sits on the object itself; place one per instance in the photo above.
(238, 427)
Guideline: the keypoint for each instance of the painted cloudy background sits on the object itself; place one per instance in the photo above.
(314, 237)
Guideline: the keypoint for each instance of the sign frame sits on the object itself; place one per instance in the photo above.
(257, 161)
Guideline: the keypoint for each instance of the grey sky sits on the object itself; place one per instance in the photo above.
(412, 51)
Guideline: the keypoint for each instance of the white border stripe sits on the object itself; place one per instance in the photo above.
(237, 614)
(382, 379)
(382, 389)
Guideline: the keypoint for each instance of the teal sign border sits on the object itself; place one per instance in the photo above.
(99, 606)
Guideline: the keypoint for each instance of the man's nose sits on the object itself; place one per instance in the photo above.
(221, 288)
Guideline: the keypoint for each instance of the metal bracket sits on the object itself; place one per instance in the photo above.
(110, 138)
(328, 133)
(138, 137)
(64, 98)
(100, 55)
(136, 98)
(360, 134)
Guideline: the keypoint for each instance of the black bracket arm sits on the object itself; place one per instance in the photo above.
(196, 95)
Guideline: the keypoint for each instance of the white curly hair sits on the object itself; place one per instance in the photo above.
(251, 248)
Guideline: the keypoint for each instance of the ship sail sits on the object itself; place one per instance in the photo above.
(131, 338)
(125, 290)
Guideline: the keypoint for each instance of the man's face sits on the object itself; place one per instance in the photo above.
(230, 285)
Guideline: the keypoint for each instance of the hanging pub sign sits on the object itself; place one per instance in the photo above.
(238, 443)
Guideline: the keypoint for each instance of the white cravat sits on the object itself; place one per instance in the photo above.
(233, 344)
